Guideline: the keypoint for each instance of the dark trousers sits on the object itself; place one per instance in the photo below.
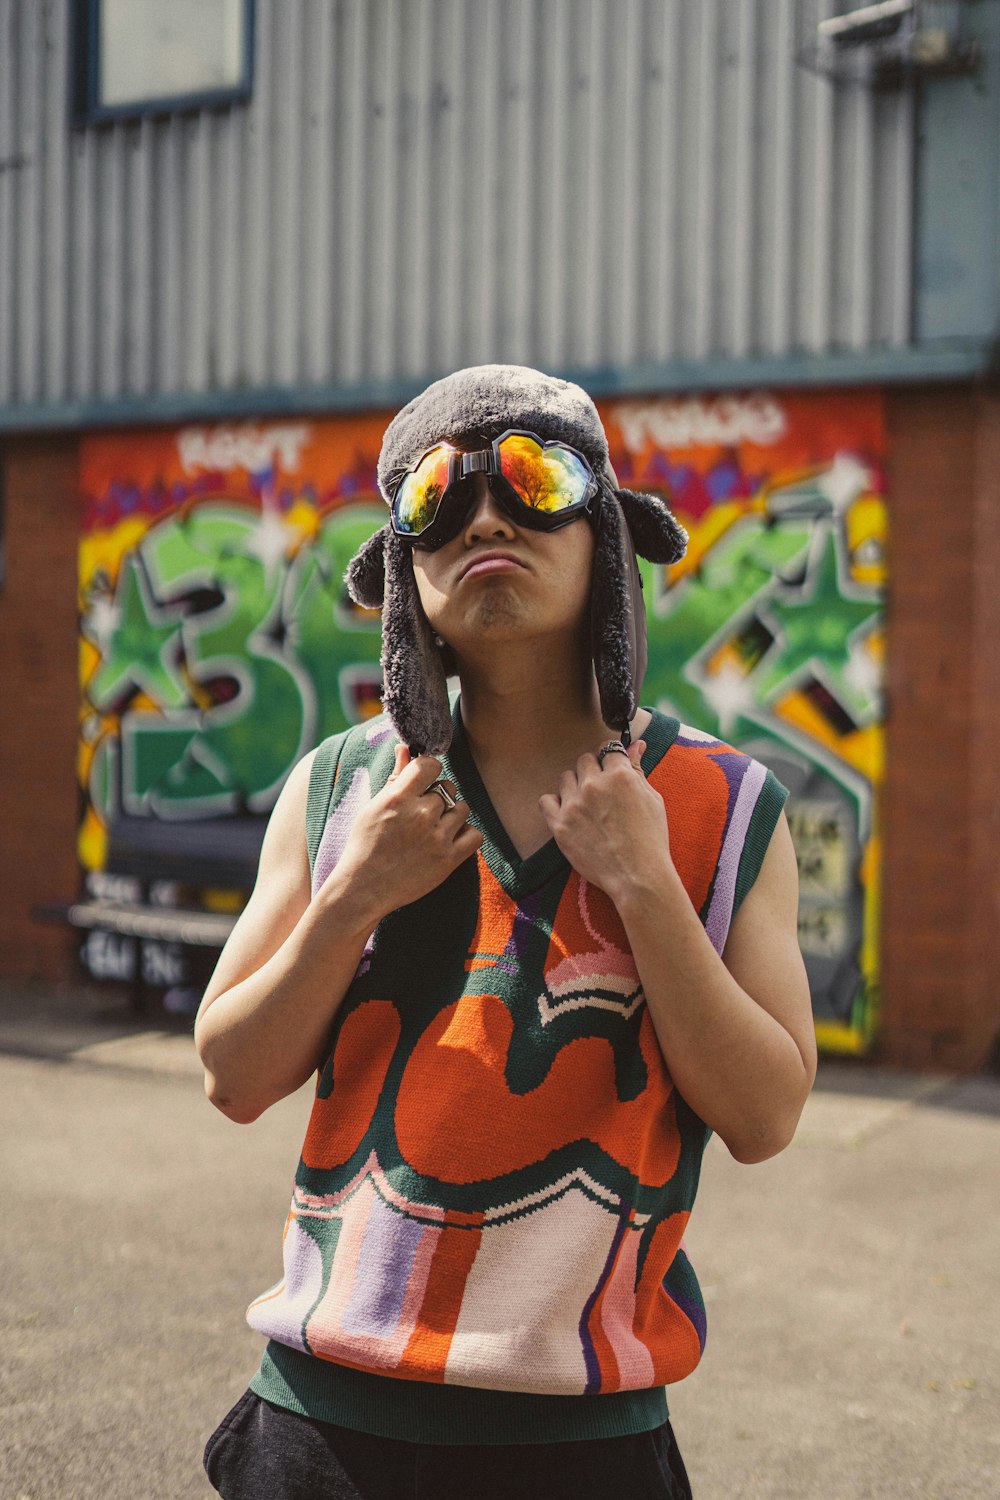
(263, 1452)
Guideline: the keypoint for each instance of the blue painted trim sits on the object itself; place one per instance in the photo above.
(957, 205)
(952, 362)
(955, 360)
(93, 112)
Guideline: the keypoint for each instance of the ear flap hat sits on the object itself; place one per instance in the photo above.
(468, 410)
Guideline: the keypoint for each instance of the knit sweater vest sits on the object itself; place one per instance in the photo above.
(485, 1238)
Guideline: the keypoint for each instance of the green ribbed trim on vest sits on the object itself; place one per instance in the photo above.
(418, 1412)
(322, 775)
(762, 824)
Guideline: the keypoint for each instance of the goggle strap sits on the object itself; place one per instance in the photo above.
(477, 463)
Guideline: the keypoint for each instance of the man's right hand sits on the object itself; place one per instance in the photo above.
(405, 842)
(265, 1018)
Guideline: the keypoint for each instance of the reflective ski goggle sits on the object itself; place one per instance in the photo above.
(538, 485)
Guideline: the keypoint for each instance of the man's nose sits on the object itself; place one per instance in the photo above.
(485, 517)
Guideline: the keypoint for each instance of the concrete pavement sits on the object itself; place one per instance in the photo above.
(852, 1283)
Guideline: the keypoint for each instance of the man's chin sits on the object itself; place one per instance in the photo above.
(497, 614)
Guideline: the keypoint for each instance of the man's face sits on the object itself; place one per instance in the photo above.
(496, 581)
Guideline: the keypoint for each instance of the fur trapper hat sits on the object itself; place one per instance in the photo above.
(470, 409)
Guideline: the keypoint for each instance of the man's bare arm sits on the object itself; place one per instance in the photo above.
(735, 1031)
(266, 1016)
(271, 1001)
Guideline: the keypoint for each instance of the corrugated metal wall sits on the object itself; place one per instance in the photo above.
(420, 184)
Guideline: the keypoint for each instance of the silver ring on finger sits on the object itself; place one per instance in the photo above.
(449, 801)
(613, 747)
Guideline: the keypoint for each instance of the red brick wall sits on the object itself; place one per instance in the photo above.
(38, 702)
(941, 902)
(984, 801)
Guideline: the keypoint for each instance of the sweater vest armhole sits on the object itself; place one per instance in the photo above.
(763, 821)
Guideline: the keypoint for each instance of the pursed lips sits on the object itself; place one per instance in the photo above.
(490, 562)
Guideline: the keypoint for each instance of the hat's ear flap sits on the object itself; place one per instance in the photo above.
(365, 575)
(618, 620)
(657, 535)
(415, 689)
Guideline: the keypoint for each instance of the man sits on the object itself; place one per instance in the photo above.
(539, 944)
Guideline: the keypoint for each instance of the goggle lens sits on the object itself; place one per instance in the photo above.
(547, 479)
(540, 486)
(420, 492)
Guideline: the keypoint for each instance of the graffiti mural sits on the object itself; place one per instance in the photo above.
(770, 634)
(217, 640)
(218, 643)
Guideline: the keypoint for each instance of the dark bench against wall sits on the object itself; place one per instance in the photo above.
(149, 900)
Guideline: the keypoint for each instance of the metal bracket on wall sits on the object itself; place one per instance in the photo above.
(893, 43)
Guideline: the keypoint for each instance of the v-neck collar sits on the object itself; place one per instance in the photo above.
(517, 876)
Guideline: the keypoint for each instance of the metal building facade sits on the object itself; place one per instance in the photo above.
(783, 287)
(603, 186)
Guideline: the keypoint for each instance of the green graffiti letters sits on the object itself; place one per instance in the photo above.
(337, 643)
(774, 590)
(143, 644)
(689, 623)
(240, 633)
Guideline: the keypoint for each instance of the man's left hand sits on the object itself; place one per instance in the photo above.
(609, 823)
